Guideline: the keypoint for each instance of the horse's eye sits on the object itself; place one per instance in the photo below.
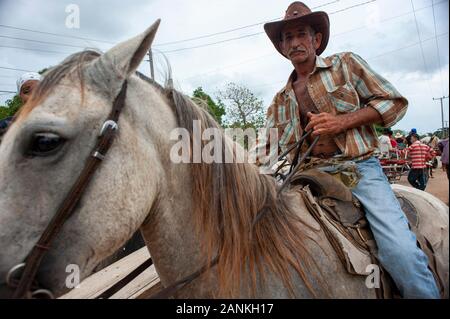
(44, 144)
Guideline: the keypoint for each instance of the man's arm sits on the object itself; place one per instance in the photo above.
(329, 124)
(381, 103)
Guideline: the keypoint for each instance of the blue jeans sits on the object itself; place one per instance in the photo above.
(397, 248)
(417, 178)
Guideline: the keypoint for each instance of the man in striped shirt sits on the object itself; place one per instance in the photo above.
(419, 154)
(340, 98)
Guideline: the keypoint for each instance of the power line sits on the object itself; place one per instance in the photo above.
(234, 29)
(109, 42)
(180, 49)
(257, 33)
(232, 39)
(13, 69)
(32, 49)
(370, 58)
(437, 48)
(44, 42)
(230, 66)
(442, 110)
(406, 47)
(386, 19)
(421, 46)
(213, 43)
(54, 34)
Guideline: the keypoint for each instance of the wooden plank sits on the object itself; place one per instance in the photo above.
(99, 282)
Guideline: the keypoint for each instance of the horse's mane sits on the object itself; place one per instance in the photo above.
(54, 75)
(226, 198)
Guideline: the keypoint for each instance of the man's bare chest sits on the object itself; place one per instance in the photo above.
(304, 101)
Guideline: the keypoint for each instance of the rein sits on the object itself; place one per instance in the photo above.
(27, 287)
(65, 210)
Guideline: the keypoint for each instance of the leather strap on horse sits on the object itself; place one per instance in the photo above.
(173, 288)
(126, 280)
(66, 209)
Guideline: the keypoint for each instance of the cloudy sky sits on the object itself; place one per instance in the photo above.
(212, 42)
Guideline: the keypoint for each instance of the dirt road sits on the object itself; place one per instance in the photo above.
(437, 186)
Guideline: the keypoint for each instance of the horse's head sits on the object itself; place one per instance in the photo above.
(45, 149)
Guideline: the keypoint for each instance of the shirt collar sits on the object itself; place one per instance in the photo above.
(320, 63)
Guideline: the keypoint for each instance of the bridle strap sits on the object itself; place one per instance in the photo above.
(126, 280)
(173, 288)
(67, 207)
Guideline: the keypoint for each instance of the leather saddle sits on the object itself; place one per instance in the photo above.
(343, 220)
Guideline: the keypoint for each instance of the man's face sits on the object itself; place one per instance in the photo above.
(27, 89)
(299, 43)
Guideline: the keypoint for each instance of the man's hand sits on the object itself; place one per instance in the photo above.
(326, 124)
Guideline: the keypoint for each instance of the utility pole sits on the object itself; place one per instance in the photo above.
(442, 113)
(150, 60)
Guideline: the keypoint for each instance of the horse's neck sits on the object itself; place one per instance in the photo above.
(168, 230)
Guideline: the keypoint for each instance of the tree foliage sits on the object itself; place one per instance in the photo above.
(243, 108)
(11, 107)
(217, 110)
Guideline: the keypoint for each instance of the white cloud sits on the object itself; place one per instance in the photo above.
(377, 31)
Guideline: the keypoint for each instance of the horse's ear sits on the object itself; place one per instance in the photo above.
(122, 60)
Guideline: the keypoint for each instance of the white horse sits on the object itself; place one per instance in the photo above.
(187, 213)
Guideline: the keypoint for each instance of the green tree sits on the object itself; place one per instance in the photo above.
(243, 108)
(217, 110)
(11, 107)
(14, 104)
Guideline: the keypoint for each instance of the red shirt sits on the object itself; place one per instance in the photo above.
(393, 143)
(418, 153)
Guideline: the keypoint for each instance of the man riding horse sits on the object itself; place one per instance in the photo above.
(340, 98)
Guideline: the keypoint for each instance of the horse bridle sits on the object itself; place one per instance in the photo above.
(32, 262)
(24, 285)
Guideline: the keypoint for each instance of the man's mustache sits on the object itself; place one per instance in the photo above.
(295, 50)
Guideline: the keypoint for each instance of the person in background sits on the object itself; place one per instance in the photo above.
(443, 147)
(418, 152)
(385, 143)
(401, 141)
(25, 85)
(392, 139)
(408, 137)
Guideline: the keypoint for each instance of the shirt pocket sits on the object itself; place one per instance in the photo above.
(344, 98)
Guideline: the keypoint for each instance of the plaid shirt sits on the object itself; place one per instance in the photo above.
(340, 83)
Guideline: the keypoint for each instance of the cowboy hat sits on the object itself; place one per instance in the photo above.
(297, 13)
(398, 135)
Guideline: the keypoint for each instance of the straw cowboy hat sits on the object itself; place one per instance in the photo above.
(398, 135)
(297, 13)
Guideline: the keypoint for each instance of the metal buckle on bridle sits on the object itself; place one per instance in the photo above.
(107, 124)
(12, 283)
(10, 277)
(43, 292)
